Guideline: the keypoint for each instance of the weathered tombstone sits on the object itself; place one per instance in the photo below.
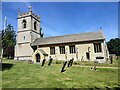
(111, 59)
(43, 62)
(71, 62)
(50, 61)
(64, 64)
(94, 65)
(81, 62)
(30, 61)
(82, 58)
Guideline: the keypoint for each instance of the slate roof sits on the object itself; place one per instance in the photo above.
(43, 52)
(88, 36)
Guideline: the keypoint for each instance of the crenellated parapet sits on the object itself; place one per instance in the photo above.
(28, 13)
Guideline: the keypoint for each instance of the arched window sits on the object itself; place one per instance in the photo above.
(35, 25)
(24, 23)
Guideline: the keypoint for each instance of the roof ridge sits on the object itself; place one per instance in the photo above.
(86, 36)
(73, 34)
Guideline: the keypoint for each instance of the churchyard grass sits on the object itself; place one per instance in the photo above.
(87, 63)
(23, 75)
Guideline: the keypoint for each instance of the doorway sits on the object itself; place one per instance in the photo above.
(37, 57)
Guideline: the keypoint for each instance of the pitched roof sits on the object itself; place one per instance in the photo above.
(43, 52)
(89, 36)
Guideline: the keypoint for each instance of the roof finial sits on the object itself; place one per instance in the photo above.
(30, 8)
(18, 11)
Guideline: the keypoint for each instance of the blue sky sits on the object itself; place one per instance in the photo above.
(59, 18)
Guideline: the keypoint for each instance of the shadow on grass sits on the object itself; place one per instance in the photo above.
(6, 66)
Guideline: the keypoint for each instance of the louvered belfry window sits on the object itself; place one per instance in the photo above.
(24, 23)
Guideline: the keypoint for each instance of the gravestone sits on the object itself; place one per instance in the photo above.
(50, 61)
(111, 59)
(82, 59)
(43, 62)
(94, 65)
(64, 64)
(70, 62)
(30, 61)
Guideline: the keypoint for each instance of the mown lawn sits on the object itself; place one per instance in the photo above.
(87, 63)
(23, 75)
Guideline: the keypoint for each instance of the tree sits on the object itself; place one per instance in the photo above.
(8, 41)
(0, 42)
(114, 46)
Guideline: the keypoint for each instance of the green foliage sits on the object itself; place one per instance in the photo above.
(114, 46)
(0, 42)
(8, 41)
(24, 75)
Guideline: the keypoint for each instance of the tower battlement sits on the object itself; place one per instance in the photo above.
(28, 13)
(28, 31)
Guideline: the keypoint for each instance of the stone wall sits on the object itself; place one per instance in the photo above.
(82, 49)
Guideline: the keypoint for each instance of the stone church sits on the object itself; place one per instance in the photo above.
(31, 46)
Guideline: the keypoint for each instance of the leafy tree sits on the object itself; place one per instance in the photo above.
(0, 42)
(8, 41)
(114, 46)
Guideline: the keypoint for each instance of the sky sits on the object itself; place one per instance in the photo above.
(61, 18)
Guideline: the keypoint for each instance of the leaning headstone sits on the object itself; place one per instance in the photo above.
(43, 62)
(71, 62)
(50, 61)
(94, 65)
(64, 64)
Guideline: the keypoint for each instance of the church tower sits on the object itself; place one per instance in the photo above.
(28, 31)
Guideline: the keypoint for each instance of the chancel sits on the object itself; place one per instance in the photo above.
(31, 46)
